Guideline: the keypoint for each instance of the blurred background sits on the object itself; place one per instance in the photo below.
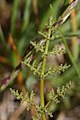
(20, 21)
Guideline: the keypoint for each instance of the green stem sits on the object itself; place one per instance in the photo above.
(42, 78)
(68, 35)
(48, 104)
(70, 55)
(72, 34)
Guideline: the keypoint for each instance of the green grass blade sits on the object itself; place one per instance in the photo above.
(14, 15)
(70, 55)
(26, 16)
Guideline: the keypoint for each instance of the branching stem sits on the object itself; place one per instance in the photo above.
(42, 74)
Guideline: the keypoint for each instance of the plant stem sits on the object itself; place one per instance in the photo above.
(70, 55)
(42, 77)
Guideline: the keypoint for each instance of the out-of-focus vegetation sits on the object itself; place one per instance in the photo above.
(20, 21)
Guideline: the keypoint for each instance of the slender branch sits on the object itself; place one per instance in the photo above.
(72, 34)
(42, 78)
(43, 72)
(70, 55)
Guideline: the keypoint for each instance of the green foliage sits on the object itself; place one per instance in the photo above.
(61, 92)
(24, 98)
(38, 46)
(26, 15)
(14, 15)
(53, 70)
(39, 67)
(36, 71)
(40, 70)
(56, 51)
(53, 97)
